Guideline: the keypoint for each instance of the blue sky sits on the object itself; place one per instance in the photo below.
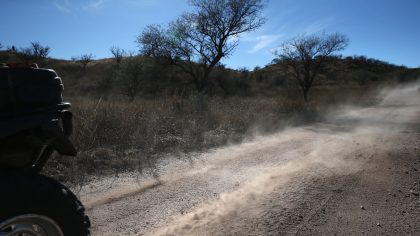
(388, 30)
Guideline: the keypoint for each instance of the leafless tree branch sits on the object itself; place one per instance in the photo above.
(197, 41)
(306, 55)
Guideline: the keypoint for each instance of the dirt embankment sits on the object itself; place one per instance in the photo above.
(356, 173)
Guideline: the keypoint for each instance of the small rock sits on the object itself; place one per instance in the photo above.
(187, 227)
(414, 193)
(378, 224)
(362, 207)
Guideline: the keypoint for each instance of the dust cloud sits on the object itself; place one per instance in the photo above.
(328, 145)
(405, 95)
(266, 163)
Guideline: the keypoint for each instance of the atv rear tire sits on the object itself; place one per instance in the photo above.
(38, 205)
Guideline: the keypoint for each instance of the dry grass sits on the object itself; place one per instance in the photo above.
(113, 135)
(117, 136)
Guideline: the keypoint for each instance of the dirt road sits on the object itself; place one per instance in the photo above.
(356, 173)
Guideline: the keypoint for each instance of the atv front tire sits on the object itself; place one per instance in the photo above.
(33, 204)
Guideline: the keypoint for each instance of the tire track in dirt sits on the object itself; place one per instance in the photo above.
(284, 183)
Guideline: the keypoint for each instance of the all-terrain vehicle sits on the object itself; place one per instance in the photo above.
(35, 122)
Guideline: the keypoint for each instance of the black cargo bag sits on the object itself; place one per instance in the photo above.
(23, 90)
(27, 96)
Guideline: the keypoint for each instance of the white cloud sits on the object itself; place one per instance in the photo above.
(143, 3)
(63, 5)
(264, 41)
(318, 26)
(93, 5)
(68, 6)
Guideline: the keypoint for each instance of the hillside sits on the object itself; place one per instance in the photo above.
(102, 77)
(167, 116)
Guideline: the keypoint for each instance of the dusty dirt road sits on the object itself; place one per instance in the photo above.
(356, 173)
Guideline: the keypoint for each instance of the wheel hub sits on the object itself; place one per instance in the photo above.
(30, 225)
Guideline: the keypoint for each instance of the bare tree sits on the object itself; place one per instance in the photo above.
(130, 76)
(25, 54)
(39, 51)
(305, 56)
(85, 59)
(1, 46)
(244, 73)
(118, 53)
(197, 41)
(36, 52)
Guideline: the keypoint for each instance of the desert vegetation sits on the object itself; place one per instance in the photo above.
(175, 96)
(197, 41)
(306, 55)
(129, 113)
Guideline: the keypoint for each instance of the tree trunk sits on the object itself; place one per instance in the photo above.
(305, 91)
(305, 96)
(197, 83)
